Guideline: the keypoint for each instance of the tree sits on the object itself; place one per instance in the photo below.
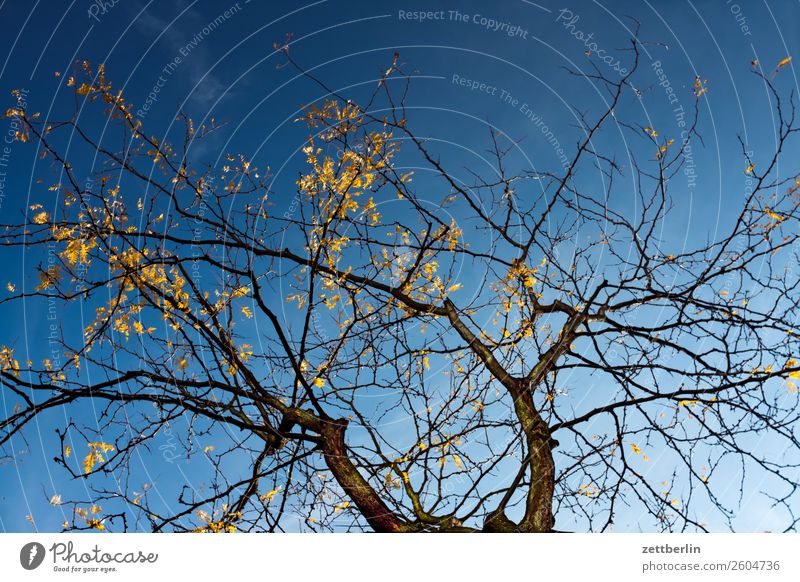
(359, 382)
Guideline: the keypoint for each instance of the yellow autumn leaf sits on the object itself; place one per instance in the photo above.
(246, 312)
(183, 364)
(89, 461)
(41, 218)
(699, 86)
(784, 62)
(96, 450)
(269, 495)
(49, 277)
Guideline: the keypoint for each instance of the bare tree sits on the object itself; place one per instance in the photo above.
(380, 362)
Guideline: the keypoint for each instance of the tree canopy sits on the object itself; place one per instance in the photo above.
(402, 349)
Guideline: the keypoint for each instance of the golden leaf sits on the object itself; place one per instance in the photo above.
(41, 218)
(269, 495)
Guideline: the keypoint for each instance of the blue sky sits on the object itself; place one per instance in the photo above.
(494, 64)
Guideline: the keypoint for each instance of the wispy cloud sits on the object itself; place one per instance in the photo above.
(183, 31)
